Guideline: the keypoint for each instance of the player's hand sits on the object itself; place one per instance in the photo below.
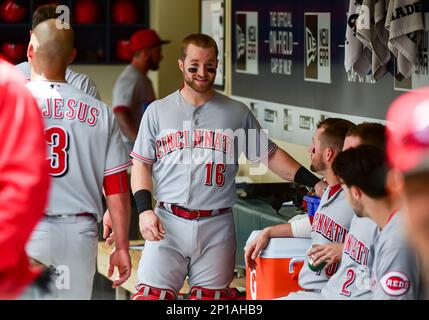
(330, 253)
(108, 235)
(151, 226)
(122, 261)
(255, 248)
(320, 188)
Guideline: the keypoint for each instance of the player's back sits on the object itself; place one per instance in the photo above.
(82, 136)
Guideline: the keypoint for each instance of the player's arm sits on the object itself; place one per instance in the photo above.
(150, 225)
(300, 228)
(119, 207)
(127, 124)
(286, 167)
(261, 241)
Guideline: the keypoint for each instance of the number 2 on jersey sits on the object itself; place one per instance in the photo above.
(351, 276)
(58, 140)
(219, 174)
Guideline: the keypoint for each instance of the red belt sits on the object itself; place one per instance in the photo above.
(193, 214)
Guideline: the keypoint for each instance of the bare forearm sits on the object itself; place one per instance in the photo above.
(283, 164)
(128, 125)
(141, 176)
(280, 231)
(119, 207)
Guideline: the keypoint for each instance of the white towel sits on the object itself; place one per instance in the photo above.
(371, 35)
(405, 22)
(357, 57)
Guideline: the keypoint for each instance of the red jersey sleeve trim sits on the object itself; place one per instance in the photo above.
(121, 109)
(269, 153)
(141, 158)
(117, 169)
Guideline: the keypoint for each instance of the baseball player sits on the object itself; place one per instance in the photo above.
(24, 184)
(363, 172)
(189, 143)
(332, 219)
(408, 152)
(86, 154)
(352, 280)
(133, 90)
(79, 80)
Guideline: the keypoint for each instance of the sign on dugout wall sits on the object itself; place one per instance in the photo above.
(292, 52)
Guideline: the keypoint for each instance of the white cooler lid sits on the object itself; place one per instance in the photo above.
(283, 247)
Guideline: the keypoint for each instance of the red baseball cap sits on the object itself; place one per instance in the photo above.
(146, 38)
(408, 132)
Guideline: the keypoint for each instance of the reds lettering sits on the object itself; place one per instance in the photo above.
(328, 228)
(198, 138)
(356, 250)
(57, 108)
(396, 283)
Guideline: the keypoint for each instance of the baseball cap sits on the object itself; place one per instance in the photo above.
(146, 38)
(408, 132)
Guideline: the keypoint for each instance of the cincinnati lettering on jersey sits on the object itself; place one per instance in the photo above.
(198, 138)
(57, 108)
(328, 228)
(356, 250)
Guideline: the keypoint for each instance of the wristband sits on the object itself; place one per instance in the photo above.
(143, 200)
(305, 177)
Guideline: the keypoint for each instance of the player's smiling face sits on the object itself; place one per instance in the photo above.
(199, 68)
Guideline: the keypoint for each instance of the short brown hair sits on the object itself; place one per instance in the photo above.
(370, 133)
(43, 13)
(200, 40)
(334, 133)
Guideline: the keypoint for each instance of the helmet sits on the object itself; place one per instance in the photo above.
(11, 11)
(14, 52)
(86, 11)
(124, 12)
(123, 50)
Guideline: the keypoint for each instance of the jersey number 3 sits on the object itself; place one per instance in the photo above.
(58, 140)
(219, 174)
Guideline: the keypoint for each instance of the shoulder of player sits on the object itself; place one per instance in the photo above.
(77, 78)
(128, 76)
(232, 104)
(162, 103)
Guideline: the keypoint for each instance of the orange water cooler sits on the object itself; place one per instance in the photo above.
(277, 268)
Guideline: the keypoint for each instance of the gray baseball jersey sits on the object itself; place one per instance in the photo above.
(84, 146)
(134, 91)
(195, 150)
(331, 223)
(396, 271)
(353, 278)
(79, 80)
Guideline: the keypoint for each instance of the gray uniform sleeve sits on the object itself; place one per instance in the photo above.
(397, 275)
(145, 145)
(123, 90)
(258, 146)
(91, 88)
(117, 159)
